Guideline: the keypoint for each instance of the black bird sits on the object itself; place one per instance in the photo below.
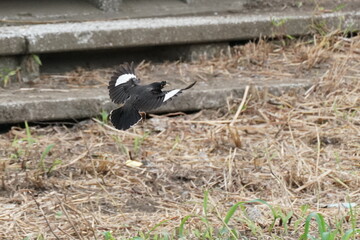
(124, 89)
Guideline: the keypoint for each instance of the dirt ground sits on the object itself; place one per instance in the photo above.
(317, 5)
(77, 181)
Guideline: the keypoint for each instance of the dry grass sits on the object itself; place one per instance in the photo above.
(292, 150)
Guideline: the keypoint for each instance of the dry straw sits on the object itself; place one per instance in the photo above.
(290, 150)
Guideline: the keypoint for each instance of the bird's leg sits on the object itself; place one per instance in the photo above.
(143, 115)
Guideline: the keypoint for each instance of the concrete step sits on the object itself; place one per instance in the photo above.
(56, 104)
(39, 104)
(125, 33)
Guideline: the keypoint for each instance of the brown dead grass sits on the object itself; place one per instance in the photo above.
(299, 148)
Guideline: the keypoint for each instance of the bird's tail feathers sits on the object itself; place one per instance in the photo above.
(127, 68)
(173, 93)
(124, 117)
(190, 86)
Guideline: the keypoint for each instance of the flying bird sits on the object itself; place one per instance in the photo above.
(124, 89)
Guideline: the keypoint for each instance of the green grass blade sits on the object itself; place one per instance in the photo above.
(350, 233)
(37, 59)
(46, 151)
(233, 209)
(29, 138)
(155, 227)
(322, 227)
(231, 212)
(205, 202)
(43, 155)
(182, 225)
(184, 220)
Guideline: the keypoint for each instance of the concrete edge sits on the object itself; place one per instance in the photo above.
(45, 38)
(42, 104)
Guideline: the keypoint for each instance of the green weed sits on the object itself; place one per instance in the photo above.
(108, 236)
(301, 218)
(176, 143)
(339, 7)
(278, 22)
(104, 117)
(121, 146)
(54, 164)
(7, 73)
(37, 59)
(43, 155)
(325, 232)
(226, 231)
(19, 152)
(30, 140)
(138, 141)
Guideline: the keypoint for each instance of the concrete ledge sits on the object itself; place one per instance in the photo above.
(12, 43)
(49, 104)
(45, 38)
(107, 5)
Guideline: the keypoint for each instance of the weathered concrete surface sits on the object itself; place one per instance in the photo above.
(45, 38)
(12, 43)
(51, 11)
(30, 69)
(49, 104)
(107, 5)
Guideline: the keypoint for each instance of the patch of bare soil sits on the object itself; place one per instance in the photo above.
(300, 148)
(317, 6)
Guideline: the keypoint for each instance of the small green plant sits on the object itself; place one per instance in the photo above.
(6, 75)
(43, 156)
(53, 165)
(121, 146)
(40, 237)
(227, 231)
(104, 117)
(176, 143)
(298, 223)
(19, 152)
(37, 59)
(279, 29)
(138, 141)
(285, 218)
(108, 236)
(339, 7)
(30, 140)
(59, 214)
(278, 22)
(203, 234)
(325, 231)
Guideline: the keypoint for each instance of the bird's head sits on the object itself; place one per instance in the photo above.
(158, 85)
(163, 84)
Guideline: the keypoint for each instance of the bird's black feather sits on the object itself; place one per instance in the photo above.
(119, 93)
(124, 117)
(123, 88)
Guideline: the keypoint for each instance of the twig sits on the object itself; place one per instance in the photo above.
(241, 105)
(74, 160)
(43, 214)
(69, 219)
(313, 181)
(116, 130)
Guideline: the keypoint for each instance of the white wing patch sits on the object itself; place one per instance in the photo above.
(171, 94)
(124, 78)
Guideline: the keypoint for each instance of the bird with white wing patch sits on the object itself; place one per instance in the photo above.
(124, 89)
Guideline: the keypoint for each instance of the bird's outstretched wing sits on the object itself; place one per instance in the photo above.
(152, 99)
(122, 80)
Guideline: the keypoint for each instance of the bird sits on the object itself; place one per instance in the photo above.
(124, 88)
